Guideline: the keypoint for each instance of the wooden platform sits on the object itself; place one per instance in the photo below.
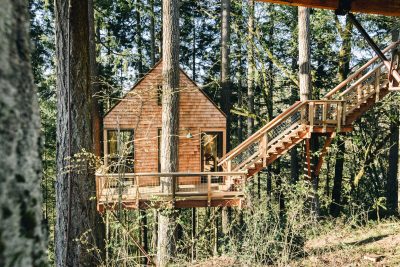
(126, 191)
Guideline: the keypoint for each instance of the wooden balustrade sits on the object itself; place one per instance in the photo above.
(353, 77)
(229, 187)
(304, 113)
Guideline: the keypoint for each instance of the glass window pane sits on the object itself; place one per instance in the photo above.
(120, 151)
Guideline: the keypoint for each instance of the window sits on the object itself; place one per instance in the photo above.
(211, 152)
(120, 151)
(159, 95)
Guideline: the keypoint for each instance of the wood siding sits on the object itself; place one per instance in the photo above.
(139, 110)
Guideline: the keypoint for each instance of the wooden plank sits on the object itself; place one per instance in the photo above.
(380, 7)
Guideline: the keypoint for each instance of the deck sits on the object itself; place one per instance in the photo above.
(153, 190)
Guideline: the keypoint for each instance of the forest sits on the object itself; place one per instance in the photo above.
(199, 133)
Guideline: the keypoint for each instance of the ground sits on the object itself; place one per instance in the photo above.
(376, 244)
(373, 245)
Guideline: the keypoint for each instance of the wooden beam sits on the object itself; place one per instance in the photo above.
(379, 7)
(324, 150)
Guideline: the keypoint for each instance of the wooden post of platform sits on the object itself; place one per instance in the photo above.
(137, 191)
(209, 190)
(377, 84)
(264, 149)
(193, 247)
(308, 158)
(174, 187)
(339, 116)
(311, 115)
(324, 116)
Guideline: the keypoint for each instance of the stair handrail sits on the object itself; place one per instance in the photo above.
(362, 79)
(257, 135)
(359, 71)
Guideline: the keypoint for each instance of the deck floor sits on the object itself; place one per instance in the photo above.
(185, 196)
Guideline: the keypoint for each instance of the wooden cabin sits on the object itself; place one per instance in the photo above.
(131, 140)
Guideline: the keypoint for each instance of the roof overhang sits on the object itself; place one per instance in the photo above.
(379, 7)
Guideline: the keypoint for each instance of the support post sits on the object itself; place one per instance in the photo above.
(209, 190)
(377, 84)
(308, 158)
(339, 116)
(311, 115)
(324, 116)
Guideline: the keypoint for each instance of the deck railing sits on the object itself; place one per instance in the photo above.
(322, 114)
(136, 187)
(365, 82)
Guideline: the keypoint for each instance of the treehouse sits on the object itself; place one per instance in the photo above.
(131, 174)
(207, 176)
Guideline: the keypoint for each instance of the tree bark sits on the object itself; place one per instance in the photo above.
(392, 185)
(170, 125)
(250, 68)
(152, 34)
(22, 237)
(139, 41)
(225, 65)
(304, 53)
(77, 217)
(97, 123)
(306, 90)
(337, 180)
(343, 72)
(226, 85)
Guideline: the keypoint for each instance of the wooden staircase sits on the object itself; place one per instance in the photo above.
(334, 114)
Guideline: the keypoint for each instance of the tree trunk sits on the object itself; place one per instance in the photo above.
(97, 119)
(225, 64)
(392, 185)
(294, 157)
(226, 84)
(97, 123)
(76, 213)
(337, 180)
(306, 90)
(170, 124)
(139, 39)
(250, 68)
(344, 70)
(152, 34)
(22, 240)
(304, 53)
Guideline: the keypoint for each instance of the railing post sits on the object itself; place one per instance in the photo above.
(359, 92)
(311, 115)
(377, 84)
(209, 190)
(264, 148)
(339, 116)
(324, 116)
(97, 188)
(137, 191)
(344, 112)
(229, 163)
(174, 186)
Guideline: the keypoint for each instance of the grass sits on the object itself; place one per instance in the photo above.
(347, 246)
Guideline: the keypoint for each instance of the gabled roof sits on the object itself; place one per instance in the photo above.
(151, 70)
